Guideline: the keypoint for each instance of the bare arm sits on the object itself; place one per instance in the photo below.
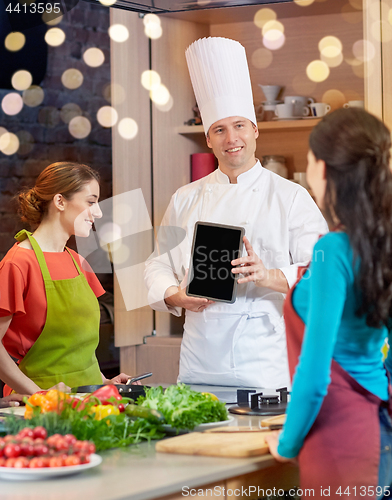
(9, 371)
(253, 269)
(175, 296)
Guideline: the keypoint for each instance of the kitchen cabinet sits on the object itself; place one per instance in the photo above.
(158, 160)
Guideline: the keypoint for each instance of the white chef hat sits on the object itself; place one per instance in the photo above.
(220, 77)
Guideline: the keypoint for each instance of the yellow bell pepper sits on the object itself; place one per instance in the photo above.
(51, 400)
(103, 411)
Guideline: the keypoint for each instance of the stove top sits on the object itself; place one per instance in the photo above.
(260, 404)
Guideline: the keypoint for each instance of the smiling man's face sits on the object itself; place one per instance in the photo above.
(233, 141)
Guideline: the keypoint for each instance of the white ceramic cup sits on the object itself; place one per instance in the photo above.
(319, 108)
(285, 110)
(271, 92)
(300, 177)
(354, 104)
(300, 104)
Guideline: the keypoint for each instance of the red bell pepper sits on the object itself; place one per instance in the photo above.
(105, 394)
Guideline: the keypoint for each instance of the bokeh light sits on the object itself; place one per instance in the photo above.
(109, 232)
(262, 16)
(69, 111)
(107, 3)
(12, 103)
(79, 127)
(120, 255)
(118, 33)
(49, 116)
(203, 3)
(160, 95)
(364, 50)
(54, 37)
(107, 116)
(123, 213)
(303, 3)
(333, 62)
(21, 80)
(6, 139)
(151, 19)
(272, 26)
(150, 79)
(261, 58)
(317, 71)
(356, 4)
(51, 18)
(349, 16)
(72, 78)
(14, 41)
(275, 40)
(26, 142)
(33, 96)
(9, 143)
(335, 98)
(153, 31)
(128, 128)
(94, 57)
(330, 46)
(165, 107)
(114, 93)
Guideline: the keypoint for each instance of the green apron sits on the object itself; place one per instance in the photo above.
(65, 349)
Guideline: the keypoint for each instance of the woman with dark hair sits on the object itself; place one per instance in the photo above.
(49, 313)
(338, 316)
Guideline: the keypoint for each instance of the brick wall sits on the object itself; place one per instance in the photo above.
(85, 26)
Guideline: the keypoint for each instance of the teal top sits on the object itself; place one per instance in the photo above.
(325, 301)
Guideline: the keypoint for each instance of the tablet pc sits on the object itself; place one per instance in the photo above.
(214, 247)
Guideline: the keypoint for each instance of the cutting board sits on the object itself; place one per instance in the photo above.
(277, 420)
(216, 444)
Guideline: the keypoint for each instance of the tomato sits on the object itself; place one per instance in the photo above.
(52, 440)
(90, 448)
(10, 462)
(26, 432)
(56, 462)
(12, 450)
(27, 449)
(21, 463)
(61, 444)
(2, 461)
(40, 449)
(9, 438)
(40, 432)
(37, 463)
(72, 460)
(70, 438)
(121, 408)
(84, 459)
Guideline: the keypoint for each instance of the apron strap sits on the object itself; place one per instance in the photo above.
(22, 235)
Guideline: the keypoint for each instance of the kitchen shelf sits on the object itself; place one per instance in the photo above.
(273, 125)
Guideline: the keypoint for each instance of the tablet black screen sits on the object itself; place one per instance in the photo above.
(214, 247)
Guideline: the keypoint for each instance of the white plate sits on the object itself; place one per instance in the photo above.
(47, 472)
(199, 428)
(276, 118)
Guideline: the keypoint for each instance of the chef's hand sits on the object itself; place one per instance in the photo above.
(176, 297)
(12, 400)
(61, 387)
(253, 269)
(121, 378)
(272, 441)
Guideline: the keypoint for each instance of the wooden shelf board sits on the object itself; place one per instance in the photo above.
(274, 125)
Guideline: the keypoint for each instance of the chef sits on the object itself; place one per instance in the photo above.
(239, 344)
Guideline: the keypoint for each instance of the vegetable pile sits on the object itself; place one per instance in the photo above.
(110, 421)
(99, 418)
(31, 448)
(182, 407)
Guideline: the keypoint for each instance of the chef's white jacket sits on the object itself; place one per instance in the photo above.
(240, 344)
